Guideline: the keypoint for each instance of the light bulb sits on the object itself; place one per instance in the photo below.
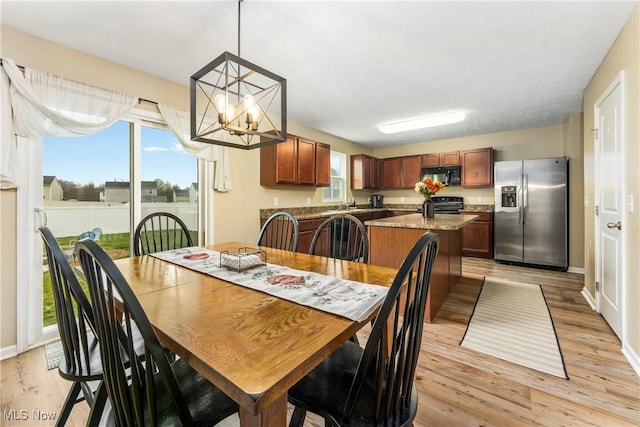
(220, 102)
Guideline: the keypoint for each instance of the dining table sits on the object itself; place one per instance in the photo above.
(252, 345)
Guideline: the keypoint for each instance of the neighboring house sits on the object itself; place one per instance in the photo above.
(116, 191)
(181, 196)
(51, 188)
(149, 189)
(193, 193)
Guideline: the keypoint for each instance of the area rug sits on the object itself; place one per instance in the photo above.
(53, 352)
(512, 321)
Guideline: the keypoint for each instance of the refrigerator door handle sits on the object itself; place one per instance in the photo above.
(520, 201)
(525, 197)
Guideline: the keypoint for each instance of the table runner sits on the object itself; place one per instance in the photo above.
(346, 298)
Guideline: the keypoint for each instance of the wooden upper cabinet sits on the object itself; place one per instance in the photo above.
(306, 162)
(477, 168)
(364, 172)
(451, 158)
(323, 165)
(391, 173)
(294, 161)
(410, 171)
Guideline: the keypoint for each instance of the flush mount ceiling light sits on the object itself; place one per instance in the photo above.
(238, 104)
(423, 122)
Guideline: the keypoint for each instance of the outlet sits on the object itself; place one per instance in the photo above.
(480, 199)
(275, 201)
(401, 199)
(308, 200)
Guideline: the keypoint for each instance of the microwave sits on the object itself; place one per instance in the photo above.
(448, 175)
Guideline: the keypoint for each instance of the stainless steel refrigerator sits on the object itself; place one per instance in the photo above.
(531, 212)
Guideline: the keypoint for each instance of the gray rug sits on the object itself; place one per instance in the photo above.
(511, 321)
(53, 352)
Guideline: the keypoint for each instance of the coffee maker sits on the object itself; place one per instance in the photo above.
(376, 201)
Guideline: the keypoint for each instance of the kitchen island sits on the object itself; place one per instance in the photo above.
(390, 240)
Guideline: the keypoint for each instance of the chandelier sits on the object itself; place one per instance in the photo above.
(235, 103)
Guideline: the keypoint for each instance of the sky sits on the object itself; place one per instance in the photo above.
(105, 157)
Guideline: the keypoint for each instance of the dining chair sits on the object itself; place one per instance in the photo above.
(80, 362)
(373, 386)
(280, 231)
(150, 390)
(341, 236)
(160, 231)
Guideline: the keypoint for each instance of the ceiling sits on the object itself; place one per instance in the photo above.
(353, 65)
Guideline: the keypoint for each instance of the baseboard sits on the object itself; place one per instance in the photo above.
(7, 352)
(577, 270)
(587, 296)
(632, 357)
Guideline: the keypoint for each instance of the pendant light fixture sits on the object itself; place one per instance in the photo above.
(235, 103)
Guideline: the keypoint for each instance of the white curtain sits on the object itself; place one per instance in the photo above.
(179, 123)
(7, 137)
(47, 105)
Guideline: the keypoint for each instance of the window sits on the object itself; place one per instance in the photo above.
(92, 183)
(337, 190)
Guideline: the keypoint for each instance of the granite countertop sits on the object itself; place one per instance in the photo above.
(415, 220)
(312, 212)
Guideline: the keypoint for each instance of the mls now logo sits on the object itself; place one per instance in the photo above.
(23, 415)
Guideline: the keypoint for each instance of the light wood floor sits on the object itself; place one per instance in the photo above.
(458, 387)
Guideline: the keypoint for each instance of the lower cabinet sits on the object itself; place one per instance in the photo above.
(477, 236)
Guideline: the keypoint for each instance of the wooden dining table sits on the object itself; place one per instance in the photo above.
(251, 345)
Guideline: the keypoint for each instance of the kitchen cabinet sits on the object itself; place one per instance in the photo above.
(400, 172)
(477, 168)
(391, 173)
(307, 228)
(451, 158)
(364, 172)
(409, 171)
(295, 161)
(477, 236)
(323, 165)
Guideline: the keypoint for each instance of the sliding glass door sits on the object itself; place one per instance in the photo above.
(100, 186)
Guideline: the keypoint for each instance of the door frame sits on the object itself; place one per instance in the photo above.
(617, 82)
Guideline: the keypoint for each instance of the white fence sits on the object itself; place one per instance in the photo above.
(73, 218)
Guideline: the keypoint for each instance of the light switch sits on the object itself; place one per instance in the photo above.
(275, 201)
(401, 199)
(308, 200)
(586, 202)
(630, 203)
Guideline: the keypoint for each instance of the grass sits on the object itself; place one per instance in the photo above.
(116, 245)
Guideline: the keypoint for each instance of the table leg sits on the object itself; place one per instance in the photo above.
(272, 416)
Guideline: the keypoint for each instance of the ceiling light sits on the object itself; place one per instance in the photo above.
(423, 122)
(238, 104)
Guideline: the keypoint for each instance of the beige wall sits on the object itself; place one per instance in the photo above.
(624, 55)
(7, 268)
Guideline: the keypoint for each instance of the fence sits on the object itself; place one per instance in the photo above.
(73, 218)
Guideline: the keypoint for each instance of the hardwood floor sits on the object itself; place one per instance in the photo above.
(458, 386)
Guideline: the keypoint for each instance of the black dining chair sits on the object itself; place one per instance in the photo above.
(80, 362)
(280, 231)
(160, 231)
(149, 391)
(373, 386)
(341, 236)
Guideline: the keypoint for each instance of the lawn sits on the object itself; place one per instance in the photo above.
(116, 245)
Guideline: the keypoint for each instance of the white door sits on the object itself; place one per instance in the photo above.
(609, 188)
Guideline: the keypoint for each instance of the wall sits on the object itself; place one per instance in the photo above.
(623, 56)
(7, 268)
